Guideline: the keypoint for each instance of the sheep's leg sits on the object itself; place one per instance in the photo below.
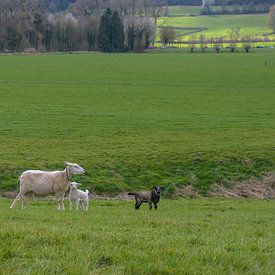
(150, 205)
(58, 197)
(15, 201)
(23, 201)
(62, 201)
(87, 205)
(156, 206)
(76, 204)
(71, 204)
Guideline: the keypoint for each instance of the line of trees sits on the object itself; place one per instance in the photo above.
(232, 7)
(221, 2)
(87, 25)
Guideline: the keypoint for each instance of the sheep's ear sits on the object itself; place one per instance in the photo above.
(67, 163)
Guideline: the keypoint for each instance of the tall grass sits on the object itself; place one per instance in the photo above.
(181, 237)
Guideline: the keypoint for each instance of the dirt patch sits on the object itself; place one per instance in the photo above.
(9, 195)
(187, 191)
(261, 189)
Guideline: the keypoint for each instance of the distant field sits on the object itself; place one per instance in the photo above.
(191, 10)
(182, 237)
(221, 24)
(136, 120)
(183, 10)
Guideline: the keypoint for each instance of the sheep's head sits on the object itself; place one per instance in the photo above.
(74, 168)
(74, 185)
(157, 189)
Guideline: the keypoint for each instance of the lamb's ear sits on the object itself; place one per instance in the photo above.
(154, 187)
(67, 163)
(162, 188)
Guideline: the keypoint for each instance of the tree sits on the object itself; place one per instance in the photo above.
(91, 30)
(234, 35)
(105, 32)
(117, 33)
(271, 18)
(167, 35)
(206, 4)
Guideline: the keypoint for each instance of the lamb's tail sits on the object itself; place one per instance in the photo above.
(132, 193)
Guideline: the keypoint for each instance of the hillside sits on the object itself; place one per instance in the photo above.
(134, 120)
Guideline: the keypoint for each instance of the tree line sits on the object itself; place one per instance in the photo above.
(106, 25)
(222, 2)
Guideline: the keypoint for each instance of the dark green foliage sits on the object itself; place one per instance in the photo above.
(105, 32)
(117, 33)
(111, 32)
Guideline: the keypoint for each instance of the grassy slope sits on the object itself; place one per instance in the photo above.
(220, 25)
(182, 237)
(194, 10)
(183, 10)
(136, 120)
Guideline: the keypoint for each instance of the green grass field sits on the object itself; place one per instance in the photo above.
(203, 236)
(194, 10)
(183, 10)
(220, 25)
(136, 120)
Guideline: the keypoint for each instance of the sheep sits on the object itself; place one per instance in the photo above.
(78, 196)
(152, 196)
(44, 183)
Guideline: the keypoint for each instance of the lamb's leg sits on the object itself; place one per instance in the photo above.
(150, 205)
(15, 201)
(76, 204)
(138, 204)
(71, 204)
(87, 205)
(156, 206)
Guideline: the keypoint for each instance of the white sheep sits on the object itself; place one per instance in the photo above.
(43, 183)
(78, 196)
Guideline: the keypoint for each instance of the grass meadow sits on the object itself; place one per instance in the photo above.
(202, 236)
(136, 120)
(219, 25)
(182, 10)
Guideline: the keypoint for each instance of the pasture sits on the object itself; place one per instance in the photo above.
(219, 25)
(137, 120)
(203, 236)
(192, 10)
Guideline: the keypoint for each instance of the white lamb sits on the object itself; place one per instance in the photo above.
(78, 196)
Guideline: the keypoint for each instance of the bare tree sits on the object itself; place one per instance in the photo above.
(234, 35)
(192, 42)
(247, 42)
(167, 35)
(271, 18)
(206, 4)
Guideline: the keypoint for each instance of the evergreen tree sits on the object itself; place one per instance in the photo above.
(117, 33)
(105, 32)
